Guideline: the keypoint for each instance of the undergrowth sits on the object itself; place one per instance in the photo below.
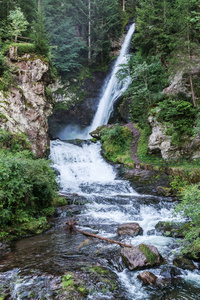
(27, 187)
(116, 144)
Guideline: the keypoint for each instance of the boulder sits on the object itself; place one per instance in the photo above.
(169, 272)
(165, 191)
(184, 263)
(171, 229)
(132, 229)
(141, 256)
(147, 277)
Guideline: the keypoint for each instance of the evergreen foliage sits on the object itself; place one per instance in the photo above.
(39, 35)
(79, 30)
(148, 80)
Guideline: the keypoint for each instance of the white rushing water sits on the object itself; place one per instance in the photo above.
(82, 170)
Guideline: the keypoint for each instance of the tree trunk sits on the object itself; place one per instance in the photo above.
(89, 31)
(192, 90)
(123, 5)
(102, 238)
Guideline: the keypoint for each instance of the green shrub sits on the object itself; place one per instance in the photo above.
(180, 114)
(5, 74)
(190, 207)
(23, 48)
(117, 144)
(27, 187)
(14, 142)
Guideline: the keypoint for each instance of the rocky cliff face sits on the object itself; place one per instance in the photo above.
(24, 108)
(160, 143)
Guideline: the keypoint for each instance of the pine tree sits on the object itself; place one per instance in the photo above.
(39, 33)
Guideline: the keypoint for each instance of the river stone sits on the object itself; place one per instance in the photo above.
(147, 277)
(169, 272)
(184, 263)
(133, 229)
(141, 256)
(171, 229)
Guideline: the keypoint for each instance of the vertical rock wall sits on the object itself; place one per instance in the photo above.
(24, 108)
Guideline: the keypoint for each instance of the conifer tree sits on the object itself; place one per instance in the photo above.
(39, 32)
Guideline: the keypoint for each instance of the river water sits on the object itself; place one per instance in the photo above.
(102, 200)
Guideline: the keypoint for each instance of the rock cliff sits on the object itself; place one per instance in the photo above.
(161, 143)
(24, 108)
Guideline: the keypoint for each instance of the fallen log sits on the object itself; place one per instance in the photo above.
(71, 225)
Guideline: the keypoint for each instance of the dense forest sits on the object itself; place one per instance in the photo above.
(75, 35)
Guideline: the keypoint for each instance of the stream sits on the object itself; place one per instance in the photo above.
(100, 201)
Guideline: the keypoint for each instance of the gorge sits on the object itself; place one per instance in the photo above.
(61, 265)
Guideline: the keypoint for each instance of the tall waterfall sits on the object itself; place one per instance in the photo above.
(114, 89)
(111, 91)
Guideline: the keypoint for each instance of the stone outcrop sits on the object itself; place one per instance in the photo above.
(160, 143)
(184, 263)
(141, 256)
(132, 229)
(171, 229)
(24, 108)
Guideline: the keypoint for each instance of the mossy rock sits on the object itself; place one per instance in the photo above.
(171, 229)
(89, 281)
(184, 263)
(141, 256)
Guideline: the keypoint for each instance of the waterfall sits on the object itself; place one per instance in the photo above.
(111, 91)
(114, 89)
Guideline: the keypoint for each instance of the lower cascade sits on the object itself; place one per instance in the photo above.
(63, 265)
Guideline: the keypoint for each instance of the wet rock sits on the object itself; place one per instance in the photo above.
(97, 132)
(169, 272)
(151, 232)
(4, 247)
(165, 191)
(171, 229)
(147, 277)
(184, 263)
(141, 256)
(132, 229)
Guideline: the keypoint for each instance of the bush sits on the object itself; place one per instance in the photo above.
(27, 187)
(117, 144)
(14, 142)
(24, 48)
(5, 74)
(180, 114)
(190, 207)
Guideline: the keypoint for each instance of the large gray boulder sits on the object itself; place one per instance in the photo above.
(141, 256)
(132, 229)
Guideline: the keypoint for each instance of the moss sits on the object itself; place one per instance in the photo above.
(99, 270)
(34, 226)
(67, 281)
(83, 290)
(2, 116)
(150, 256)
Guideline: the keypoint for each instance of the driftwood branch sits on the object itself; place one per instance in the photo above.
(71, 226)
